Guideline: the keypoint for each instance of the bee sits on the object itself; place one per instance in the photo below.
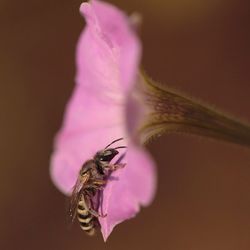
(91, 180)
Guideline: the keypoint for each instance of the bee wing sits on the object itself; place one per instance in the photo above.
(76, 196)
(74, 199)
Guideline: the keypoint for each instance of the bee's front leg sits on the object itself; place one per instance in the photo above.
(118, 164)
(113, 167)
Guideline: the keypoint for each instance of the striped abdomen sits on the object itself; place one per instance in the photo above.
(86, 219)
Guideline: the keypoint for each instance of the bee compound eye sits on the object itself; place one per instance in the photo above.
(107, 155)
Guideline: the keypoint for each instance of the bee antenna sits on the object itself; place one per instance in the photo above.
(121, 147)
(113, 142)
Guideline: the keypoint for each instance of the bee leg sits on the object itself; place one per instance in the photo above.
(99, 183)
(95, 186)
(96, 214)
(117, 164)
(87, 205)
(114, 167)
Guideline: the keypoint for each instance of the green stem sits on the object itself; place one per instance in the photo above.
(174, 112)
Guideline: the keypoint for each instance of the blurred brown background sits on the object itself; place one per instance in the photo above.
(203, 199)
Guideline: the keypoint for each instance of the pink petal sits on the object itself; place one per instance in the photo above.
(129, 187)
(108, 56)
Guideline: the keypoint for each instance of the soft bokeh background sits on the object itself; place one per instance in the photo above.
(203, 199)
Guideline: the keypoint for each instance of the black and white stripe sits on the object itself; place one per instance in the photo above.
(85, 219)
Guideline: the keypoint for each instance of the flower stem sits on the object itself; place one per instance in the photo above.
(174, 112)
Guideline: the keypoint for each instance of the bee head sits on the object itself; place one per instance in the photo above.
(105, 156)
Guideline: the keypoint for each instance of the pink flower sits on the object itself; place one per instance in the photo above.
(102, 108)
